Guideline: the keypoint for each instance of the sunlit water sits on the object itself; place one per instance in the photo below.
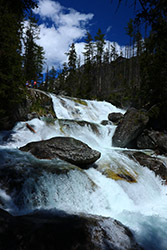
(142, 206)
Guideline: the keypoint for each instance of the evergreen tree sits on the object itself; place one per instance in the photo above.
(130, 32)
(100, 42)
(72, 57)
(70, 81)
(51, 79)
(45, 84)
(89, 49)
(138, 43)
(61, 80)
(34, 54)
(106, 56)
(154, 57)
(114, 53)
(11, 77)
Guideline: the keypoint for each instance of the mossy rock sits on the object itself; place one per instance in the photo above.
(80, 101)
(154, 111)
(118, 174)
(40, 102)
(49, 120)
(65, 122)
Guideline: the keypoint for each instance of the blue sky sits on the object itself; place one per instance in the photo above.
(107, 16)
(66, 21)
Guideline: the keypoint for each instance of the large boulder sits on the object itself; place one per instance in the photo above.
(146, 140)
(153, 163)
(36, 103)
(58, 230)
(130, 127)
(65, 148)
(152, 139)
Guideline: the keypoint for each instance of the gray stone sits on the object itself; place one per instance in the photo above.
(36, 101)
(65, 148)
(153, 163)
(130, 127)
(58, 230)
(152, 139)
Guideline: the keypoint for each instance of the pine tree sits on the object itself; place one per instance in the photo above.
(34, 54)
(114, 53)
(51, 79)
(153, 66)
(70, 81)
(138, 43)
(72, 57)
(106, 56)
(11, 77)
(100, 42)
(130, 32)
(89, 49)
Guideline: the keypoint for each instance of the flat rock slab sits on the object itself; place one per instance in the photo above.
(65, 148)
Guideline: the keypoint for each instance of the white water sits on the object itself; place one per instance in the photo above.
(142, 206)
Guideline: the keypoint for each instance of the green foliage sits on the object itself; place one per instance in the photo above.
(34, 54)
(10, 59)
(12, 81)
(154, 59)
(89, 50)
(72, 57)
(100, 42)
(51, 80)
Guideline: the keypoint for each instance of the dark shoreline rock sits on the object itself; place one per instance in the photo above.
(46, 230)
(152, 139)
(131, 126)
(153, 163)
(37, 103)
(65, 148)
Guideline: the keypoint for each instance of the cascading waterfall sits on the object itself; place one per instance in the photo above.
(141, 204)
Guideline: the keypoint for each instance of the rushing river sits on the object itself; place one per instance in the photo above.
(141, 205)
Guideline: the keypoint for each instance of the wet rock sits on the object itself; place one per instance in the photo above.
(65, 148)
(146, 141)
(153, 140)
(58, 230)
(32, 115)
(105, 122)
(153, 163)
(117, 174)
(63, 123)
(115, 117)
(130, 127)
(40, 103)
(37, 103)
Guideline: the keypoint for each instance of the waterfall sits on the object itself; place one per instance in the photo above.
(140, 204)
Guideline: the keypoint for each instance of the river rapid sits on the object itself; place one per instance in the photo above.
(141, 205)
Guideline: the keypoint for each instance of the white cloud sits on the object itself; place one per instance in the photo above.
(59, 28)
(66, 26)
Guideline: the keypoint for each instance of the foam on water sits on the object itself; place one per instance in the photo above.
(92, 111)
